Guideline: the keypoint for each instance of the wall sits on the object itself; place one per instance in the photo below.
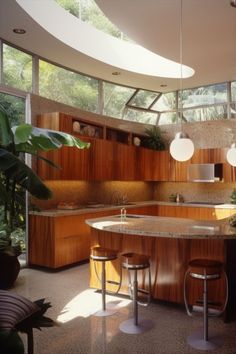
(82, 193)
(206, 192)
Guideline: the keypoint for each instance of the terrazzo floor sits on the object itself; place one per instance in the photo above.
(78, 331)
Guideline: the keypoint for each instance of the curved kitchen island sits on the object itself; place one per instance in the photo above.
(171, 243)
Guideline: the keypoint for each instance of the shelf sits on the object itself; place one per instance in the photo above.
(118, 135)
(87, 129)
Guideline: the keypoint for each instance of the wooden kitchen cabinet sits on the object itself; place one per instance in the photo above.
(57, 241)
(198, 213)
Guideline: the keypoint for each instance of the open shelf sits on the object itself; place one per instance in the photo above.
(117, 135)
(87, 129)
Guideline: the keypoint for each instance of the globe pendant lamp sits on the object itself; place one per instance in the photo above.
(181, 148)
(231, 155)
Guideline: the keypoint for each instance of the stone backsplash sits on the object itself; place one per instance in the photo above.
(82, 192)
(205, 192)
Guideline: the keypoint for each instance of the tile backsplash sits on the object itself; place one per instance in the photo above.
(82, 192)
(205, 192)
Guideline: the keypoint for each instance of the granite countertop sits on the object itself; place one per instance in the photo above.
(171, 227)
(105, 207)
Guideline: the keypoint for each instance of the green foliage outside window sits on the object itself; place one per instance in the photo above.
(68, 87)
(17, 68)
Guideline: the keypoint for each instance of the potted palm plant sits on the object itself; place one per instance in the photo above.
(16, 177)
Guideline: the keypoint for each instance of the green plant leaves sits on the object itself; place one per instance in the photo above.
(13, 167)
(6, 135)
(32, 139)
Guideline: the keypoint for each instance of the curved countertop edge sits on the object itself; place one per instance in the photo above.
(86, 210)
(166, 227)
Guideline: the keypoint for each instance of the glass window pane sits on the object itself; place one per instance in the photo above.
(115, 98)
(141, 117)
(165, 102)
(68, 87)
(144, 98)
(233, 110)
(167, 118)
(17, 68)
(14, 107)
(206, 113)
(233, 91)
(204, 95)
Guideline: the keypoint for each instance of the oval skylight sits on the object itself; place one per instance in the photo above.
(96, 44)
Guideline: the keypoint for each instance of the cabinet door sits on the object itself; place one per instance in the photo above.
(124, 162)
(102, 160)
(161, 166)
(145, 164)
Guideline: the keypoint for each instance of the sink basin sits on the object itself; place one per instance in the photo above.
(123, 204)
(130, 216)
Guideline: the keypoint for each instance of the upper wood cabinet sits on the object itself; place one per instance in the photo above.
(112, 156)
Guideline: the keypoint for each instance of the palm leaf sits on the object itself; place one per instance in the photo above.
(6, 135)
(16, 169)
(32, 139)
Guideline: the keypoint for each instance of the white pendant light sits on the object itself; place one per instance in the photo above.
(231, 155)
(181, 148)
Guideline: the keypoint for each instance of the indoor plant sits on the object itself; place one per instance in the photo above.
(154, 139)
(16, 177)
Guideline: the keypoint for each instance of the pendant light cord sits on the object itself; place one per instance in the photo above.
(181, 61)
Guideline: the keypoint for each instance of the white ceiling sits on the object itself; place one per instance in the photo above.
(209, 39)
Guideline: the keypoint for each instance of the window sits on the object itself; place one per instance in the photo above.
(17, 68)
(115, 98)
(206, 95)
(68, 87)
(140, 116)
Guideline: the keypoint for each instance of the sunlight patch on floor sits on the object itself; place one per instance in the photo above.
(87, 303)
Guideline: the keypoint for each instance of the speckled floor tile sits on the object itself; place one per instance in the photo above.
(80, 332)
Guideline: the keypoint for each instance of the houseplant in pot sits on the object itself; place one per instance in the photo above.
(16, 178)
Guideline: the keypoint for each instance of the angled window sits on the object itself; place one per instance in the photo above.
(115, 98)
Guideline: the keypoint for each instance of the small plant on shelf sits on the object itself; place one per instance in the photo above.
(154, 139)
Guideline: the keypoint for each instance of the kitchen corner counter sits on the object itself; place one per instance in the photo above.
(167, 227)
(108, 207)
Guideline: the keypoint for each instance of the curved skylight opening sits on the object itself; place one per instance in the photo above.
(89, 12)
(94, 43)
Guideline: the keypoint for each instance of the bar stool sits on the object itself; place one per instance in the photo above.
(103, 255)
(206, 270)
(134, 262)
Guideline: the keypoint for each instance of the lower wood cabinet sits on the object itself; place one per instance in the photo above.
(199, 213)
(57, 241)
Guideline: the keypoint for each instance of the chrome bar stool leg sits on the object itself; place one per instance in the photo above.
(102, 255)
(135, 298)
(134, 262)
(205, 270)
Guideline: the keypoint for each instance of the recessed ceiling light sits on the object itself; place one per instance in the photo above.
(233, 3)
(163, 85)
(19, 31)
(116, 73)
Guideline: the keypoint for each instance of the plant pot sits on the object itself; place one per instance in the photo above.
(9, 270)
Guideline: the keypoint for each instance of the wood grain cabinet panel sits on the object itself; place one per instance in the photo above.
(197, 213)
(63, 240)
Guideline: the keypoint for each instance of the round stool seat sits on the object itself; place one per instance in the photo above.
(135, 261)
(205, 268)
(103, 254)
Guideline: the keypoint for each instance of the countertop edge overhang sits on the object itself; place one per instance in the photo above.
(167, 227)
(86, 210)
